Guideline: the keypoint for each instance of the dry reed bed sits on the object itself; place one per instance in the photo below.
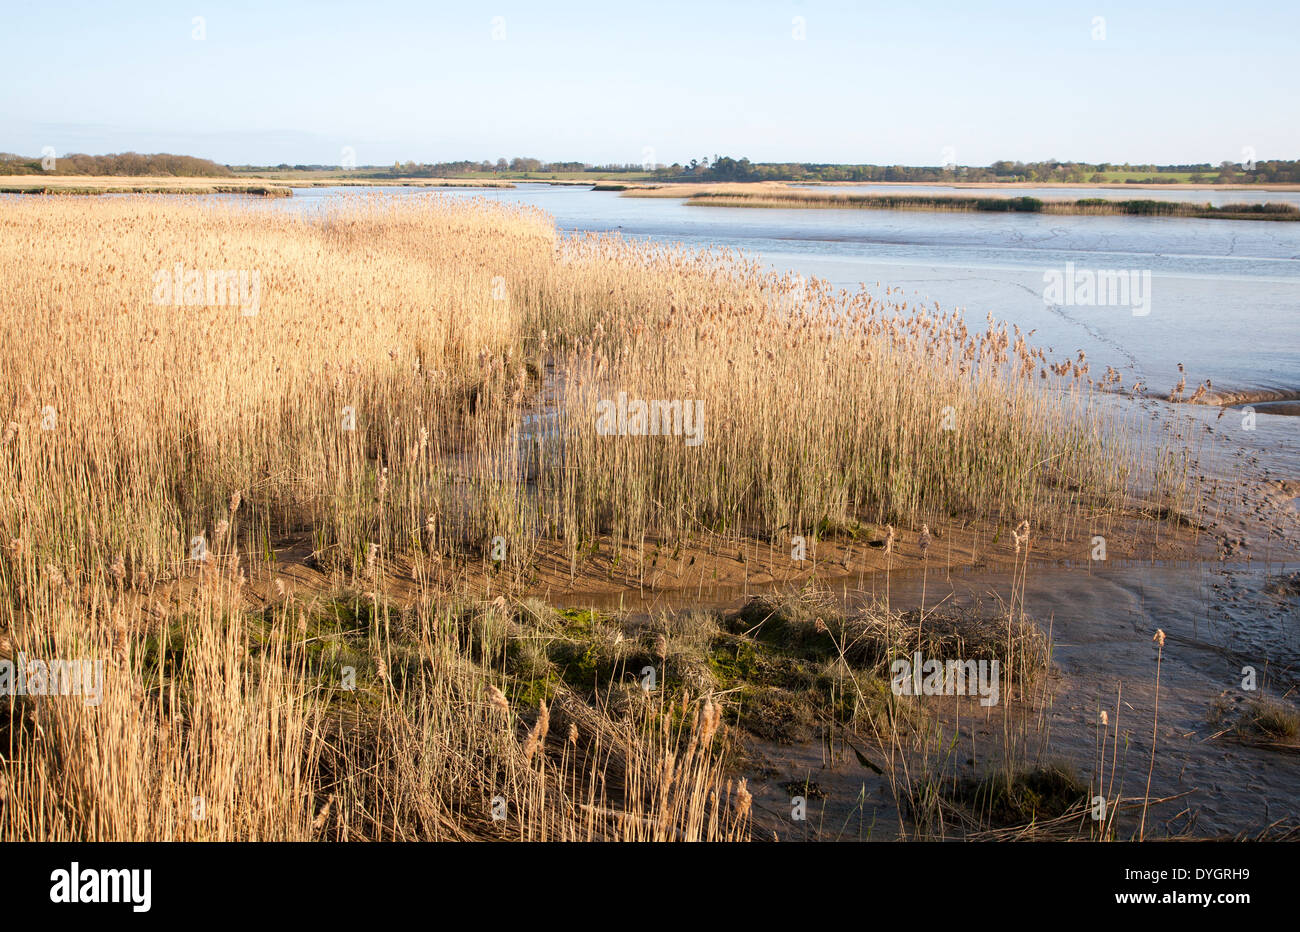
(224, 726)
(269, 184)
(767, 196)
(123, 184)
(427, 327)
(377, 401)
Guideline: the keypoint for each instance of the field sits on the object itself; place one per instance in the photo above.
(1123, 177)
(327, 526)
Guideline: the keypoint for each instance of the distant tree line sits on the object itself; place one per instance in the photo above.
(719, 168)
(724, 168)
(125, 163)
(463, 167)
(517, 165)
(1275, 170)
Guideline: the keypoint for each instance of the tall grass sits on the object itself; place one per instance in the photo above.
(436, 330)
(420, 380)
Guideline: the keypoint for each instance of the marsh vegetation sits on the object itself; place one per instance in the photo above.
(311, 545)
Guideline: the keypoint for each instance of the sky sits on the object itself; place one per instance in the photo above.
(625, 82)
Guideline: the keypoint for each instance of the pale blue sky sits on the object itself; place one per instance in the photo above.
(602, 82)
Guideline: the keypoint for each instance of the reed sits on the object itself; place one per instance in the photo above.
(769, 196)
(419, 386)
(120, 184)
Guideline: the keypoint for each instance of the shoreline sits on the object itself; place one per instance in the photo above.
(992, 204)
(263, 187)
(96, 186)
(1115, 185)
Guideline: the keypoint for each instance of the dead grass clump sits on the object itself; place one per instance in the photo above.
(1264, 721)
(1050, 796)
(810, 622)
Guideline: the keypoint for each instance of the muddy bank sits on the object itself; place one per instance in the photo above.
(654, 574)
(1218, 620)
(1279, 401)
